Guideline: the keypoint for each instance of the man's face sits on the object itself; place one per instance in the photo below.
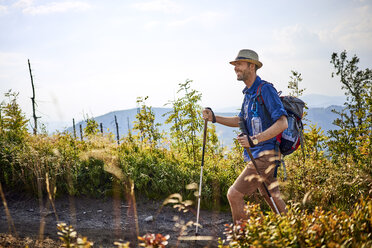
(242, 70)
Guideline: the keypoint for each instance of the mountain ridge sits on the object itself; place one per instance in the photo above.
(322, 117)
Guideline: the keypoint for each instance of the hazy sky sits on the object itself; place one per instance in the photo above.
(93, 57)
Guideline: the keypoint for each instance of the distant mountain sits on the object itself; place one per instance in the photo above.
(322, 101)
(125, 119)
(312, 101)
(322, 117)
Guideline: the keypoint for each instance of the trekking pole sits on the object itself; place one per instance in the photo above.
(201, 175)
(244, 132)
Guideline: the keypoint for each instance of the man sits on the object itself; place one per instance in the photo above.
(274, 121)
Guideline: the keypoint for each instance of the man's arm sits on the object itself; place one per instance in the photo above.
(279, 126)
(227, 121)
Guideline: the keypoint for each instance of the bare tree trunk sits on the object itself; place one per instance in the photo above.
(128, 124)
(81, 133)
(33, 99)
(117, 130)
(73, 125)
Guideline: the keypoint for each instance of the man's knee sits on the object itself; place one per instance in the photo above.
(233, 194)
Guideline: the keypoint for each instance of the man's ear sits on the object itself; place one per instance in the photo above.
(251, 66)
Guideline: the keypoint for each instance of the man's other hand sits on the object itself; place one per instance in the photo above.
(243, 141)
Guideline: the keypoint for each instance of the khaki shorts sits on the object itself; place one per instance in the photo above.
(249, 181)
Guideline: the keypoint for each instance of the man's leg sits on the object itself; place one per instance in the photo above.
(236, 200)
(245, 184)
(248, 182)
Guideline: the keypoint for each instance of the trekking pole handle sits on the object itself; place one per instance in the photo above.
(213, 116)
(244, 131)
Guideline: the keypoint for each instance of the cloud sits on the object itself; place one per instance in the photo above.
(353, 32)
(165, 6)
(28, 7)
(207, 19)
(3, 9)
(11, 59)
(23, 4)
(294, 41)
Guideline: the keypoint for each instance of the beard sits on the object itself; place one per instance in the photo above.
(242, 75)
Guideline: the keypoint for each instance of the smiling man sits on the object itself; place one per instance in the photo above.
(270, 119)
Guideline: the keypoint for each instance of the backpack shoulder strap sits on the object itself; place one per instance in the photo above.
(258, 92)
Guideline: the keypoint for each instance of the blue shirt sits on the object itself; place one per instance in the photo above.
(274, 110)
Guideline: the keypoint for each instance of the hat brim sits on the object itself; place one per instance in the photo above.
(258, 63)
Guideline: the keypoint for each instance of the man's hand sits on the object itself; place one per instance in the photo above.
(207, 115)
(243, 141)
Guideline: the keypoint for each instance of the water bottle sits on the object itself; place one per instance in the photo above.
(290, 133)
(256, 124)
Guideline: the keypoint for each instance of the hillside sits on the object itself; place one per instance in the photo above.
(323, 117)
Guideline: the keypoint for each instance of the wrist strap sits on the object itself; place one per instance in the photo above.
(250, 141)
(213, 116)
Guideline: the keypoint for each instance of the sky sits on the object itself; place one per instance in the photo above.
(89, 58)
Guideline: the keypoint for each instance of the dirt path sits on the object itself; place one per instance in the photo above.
(104, 224)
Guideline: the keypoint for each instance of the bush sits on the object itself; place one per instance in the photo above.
(300, 228)
(319, 182)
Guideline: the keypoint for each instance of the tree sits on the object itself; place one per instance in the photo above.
(353, 138)
(187, 120)
(91, 127)
(315, 141)
(13, 121)
(13, 133)
(293, 84)
(145, 122)
(213, 144)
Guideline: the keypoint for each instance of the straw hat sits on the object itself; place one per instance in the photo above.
(249, 56)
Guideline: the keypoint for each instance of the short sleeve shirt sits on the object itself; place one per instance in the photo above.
(269, 112)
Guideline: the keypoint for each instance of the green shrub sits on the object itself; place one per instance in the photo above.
(300, 228)
(319, 182)
(92, 179)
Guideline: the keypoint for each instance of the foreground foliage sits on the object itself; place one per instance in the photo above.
(70, 238)
(300, 228)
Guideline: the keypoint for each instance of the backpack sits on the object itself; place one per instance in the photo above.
(290, 139)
